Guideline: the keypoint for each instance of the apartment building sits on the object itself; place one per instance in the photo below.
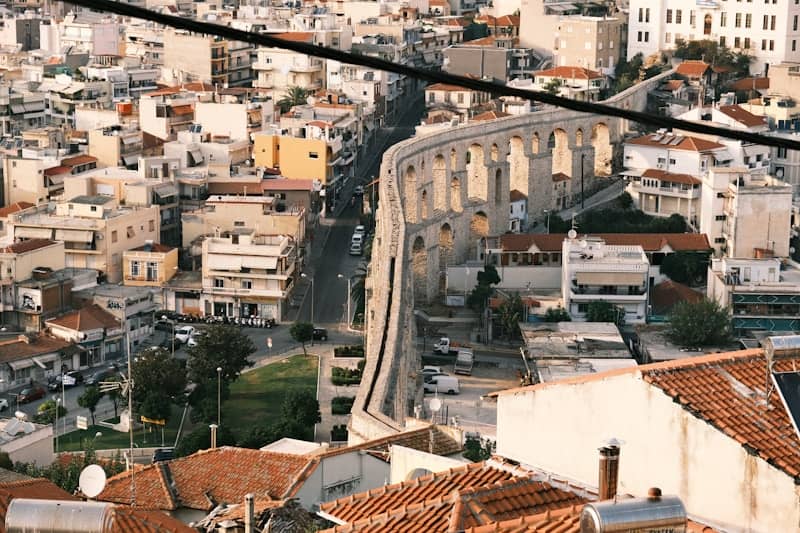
(768, 31)
(247, 274)
(661, 193)
(761, 294)
(197, 147)
(746, 215)
(166, 112)
(21, 30)
(46, 294)
(576, 83)
(144, 43)
(20, 110)
(94, 229)
(237, 121)
(594, 43)
(149, 265)
(114, 146)
(126, 83)
(277, 69)
(678, 154)
(593, 271)
(500, 58)
(207, 59)
(540, 21)
(96, 332)
(462, 102)
(63, 96)
(20, 259)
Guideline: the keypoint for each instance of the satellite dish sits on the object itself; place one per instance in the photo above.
(92, 480)
(572, 234)
(435, 405)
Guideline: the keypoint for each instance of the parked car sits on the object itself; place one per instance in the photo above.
(320, 334)
(192, 342)
(359, 190)
(355, 248)
(30, 394)
(72, 378)
(357, 238)
(360, 230)
(101, 375)
(444, 384)
(428, 369)
(183, 333)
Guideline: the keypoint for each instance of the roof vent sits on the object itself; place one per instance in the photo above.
(665, 514)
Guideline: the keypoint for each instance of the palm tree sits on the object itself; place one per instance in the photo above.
(358, 288)
(294, 96)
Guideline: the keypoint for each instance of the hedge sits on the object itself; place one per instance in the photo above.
(339, 433)
(356, 350)
(341, 405)
(345, 376)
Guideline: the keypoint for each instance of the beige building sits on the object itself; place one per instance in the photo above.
(589, 42)
(231, 119)
(746, 215)
(246, 274)
(277, 69)
(661, 193)
(114, 146)
(784, 80)
(9, 210)
(166, 112)
(150, 265)
(95, 230)
(573, 82)
(18, 261)
(39, 179)
(190, 57)
(296, 157)
(195, 148)
(463, 101)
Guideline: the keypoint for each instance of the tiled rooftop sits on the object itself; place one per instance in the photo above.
(15, 349)
(431, 439)
(86, 319)
(127, 520)
(26, 246)
(39, 488)
(651, 242)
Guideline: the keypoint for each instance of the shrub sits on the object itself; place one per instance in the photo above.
(349, 351)
(345, 376)
(341, 405)
(477, 449)
(339, 433)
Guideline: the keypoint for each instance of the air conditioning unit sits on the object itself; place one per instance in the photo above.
(660, 165)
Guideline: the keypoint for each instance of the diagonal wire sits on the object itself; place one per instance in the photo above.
(433, 76)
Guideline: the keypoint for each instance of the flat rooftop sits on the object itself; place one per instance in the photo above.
(94, 199)
(573, 340)
(560, 369)
(657, 347)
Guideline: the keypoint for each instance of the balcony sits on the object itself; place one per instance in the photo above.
(306, 66)
(679, 191)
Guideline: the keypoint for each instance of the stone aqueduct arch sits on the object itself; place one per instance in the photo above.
(483, 173)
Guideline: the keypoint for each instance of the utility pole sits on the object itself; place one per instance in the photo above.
(583, 156)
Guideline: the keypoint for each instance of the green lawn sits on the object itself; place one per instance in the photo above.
(256, 397)
(111, 439)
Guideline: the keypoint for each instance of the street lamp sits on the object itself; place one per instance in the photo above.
(172, 322)
(311, 279)
(341, 276)
(219, 389)
(55, 425)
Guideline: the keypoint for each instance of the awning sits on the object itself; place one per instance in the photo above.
(72, 89)
(610, 278)
(633, 172)
(57, 179)
(166, 190)
(130, 139)
(34, 107)
(723, 155)
(267, 263)
(42, 360)
(21, 364)
(754, 150)
(130, 160)
(197, 156)
(182, 109)
(17, 108)
(74, 235)
(33, 233)
(224, 262)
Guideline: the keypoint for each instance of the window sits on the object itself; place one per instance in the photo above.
(719, 240)
(130, 232)
(219, 283)
(719, 218)
(639, 36)
(737, 43)
(135, 269)
(460, 98)
(114, 236)
(151, 225)
(692, 18)
(313, 155)
(238, 223)
(152, 271)
(738, 22)
(747, 42)
(722, 40)
(641, 14)
(431, 98)
(646, 16)
(667, 37)
(763, 44)
(723, 20)
(748, 20)
(583, 308)
(672, 161)
(771, 45)
(782, 151)
(647, 36)
(765, 25)
(611, 45)
(669, 16)
(794, 23)
(93, 208)
(678, 16)
(772, 22)
(247, 284)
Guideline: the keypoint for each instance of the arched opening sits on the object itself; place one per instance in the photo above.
(423, 205)
(417, 472)
(535, 143)
(477, 179)
(453, 160)
(498, 187)
(419, 267)
(558, 144)
(410, 186)
(579, 137)
(439, 176)
(455, 195)
(495, 153)
(445, 256)
(518, 166)
(707, 25)
(478, 231)
(601, 141)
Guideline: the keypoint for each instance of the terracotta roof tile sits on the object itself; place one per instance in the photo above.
(26, 246)
(560, 176)
(692, 68)
(86, 319)
(446, 87)
(38, 488)
(164, 91)
(567, 72)
(566, 520)
(16, 349)
(55, 171)
(13, 208)
(78, 160)
(749, 84)
(127, 520)
(692, 144)
(295, 36)
(669, 293)
(489, 115)
(431, 439)
(651, 242)
(209, 477)
(663, 175)
(743, 116)
(674, 85)
(516, 196)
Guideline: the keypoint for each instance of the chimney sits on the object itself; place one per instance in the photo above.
(249, 511)
(609, 472)
(213, 435)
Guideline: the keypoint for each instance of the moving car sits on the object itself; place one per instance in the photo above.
(30, 394)
(320, 334)
(101, 375)
(445, 384)
(183, 333)
(72, 378)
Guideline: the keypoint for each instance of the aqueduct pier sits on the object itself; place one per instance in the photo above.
(439, 194)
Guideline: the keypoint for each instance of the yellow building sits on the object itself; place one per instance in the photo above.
(297, 158)
(150, 265)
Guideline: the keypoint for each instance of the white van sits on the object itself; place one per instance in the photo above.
(443, 384)
(355, 248)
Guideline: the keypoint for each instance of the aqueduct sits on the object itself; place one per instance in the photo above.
(439, 194)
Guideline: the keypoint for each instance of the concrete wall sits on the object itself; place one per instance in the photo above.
(408, 462)
(420, 213)
(664, 446)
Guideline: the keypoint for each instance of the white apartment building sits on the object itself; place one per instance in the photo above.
(574, 82)
(767, 30)
(595, 271)
(661, 193)
(277, 69)
(248, 275)
(678, 154)
(746, 215)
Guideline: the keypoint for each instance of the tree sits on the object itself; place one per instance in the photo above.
(115, 395)
(294, 96)
(686, 267)
(552, 86)
(66, 474)
(223, 346)
(302, 407)
(158, 377)
(477, 449)
(5, 461)
(701, 323)
(557, 314)
(624, 200)
(302, 332)
(510, 312)
(46, 413)
(486, 278)
(603, 311)
(200, 439)
(89, 399)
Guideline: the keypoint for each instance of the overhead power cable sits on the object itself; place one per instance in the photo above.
(433, 76)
